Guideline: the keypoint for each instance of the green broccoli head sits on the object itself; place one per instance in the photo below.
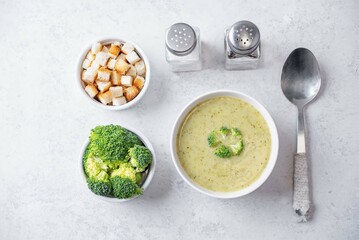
(228, 142)
(94, 166)
(124, 187)
(224, 131)
(236, 148)
(125, 170)
(140, 157)
(99, 187)
(235, 132)
(223, 152)
(213, 139)
(112, 142)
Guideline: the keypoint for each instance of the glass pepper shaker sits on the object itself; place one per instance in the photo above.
(183, 48)
(242, 46)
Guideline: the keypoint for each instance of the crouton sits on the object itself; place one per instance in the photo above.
(103, 86)
(96, 47)
(91, 90)
(140, 68)
(139, 82)
(127, 48)
(122, 66)
(89, 75)
(103, 74)
(119, 101)
(117, 43)
(126, 81)
(102, 58)
(122, 56)
(114, 51)
(104, 49)
(105, 97)
(131, 71)
(90, 56)
(131, 93)
(132, 57)
(116, 91)
(86, 64)
(116, 78)
(111, 63)
(95, 65)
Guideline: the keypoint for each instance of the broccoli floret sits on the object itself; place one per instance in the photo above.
(237, 148)
(140, 157)
(100, 187)
(213, 139)
(229, 139)
(94, 166)
(124, 187)
(224, 131)
(235, 132)
(223, 152)
(112, 142)
(125, 171)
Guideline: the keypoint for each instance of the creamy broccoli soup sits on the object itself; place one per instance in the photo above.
(208, 169)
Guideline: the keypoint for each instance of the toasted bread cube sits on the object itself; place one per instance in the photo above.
(140, 68)
(114, 50)
(96, 47)
(117, 43)
(119, 101)
(104, 49)
(105, 97)
(86, 64)
(116, 91)
(95, 65)
(131, 93)
(91, 90)
(89, 75)
(122, 56)
(103, 74)
(132, 57)
(90, 56)
(132, 71)
(126, 81)
(116, 78)
(122, 66)
(139, 82)
(127, 48)
(111, 63)
(103, 86)
(102, 58)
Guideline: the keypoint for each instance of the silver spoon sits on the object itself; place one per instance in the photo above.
(300, 84)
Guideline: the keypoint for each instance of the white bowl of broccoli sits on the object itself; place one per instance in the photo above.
(117, 163)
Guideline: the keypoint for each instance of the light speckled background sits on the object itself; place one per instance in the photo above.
(45, 120)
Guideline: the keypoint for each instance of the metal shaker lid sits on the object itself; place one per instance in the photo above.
(243, 37)
(181, 39)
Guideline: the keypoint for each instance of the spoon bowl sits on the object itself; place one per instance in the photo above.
(301, 79)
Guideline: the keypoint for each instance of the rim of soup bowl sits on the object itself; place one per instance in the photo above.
(274, 143)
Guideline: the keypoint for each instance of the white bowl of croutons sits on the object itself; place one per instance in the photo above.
(113, 73)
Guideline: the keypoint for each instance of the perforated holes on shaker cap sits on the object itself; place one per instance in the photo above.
(181, 39)
(243, 36)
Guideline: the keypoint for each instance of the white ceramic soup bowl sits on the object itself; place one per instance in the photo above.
(95, 102)
(274, 143)
(146, 183)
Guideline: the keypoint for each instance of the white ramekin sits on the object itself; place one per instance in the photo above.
(274, 144)
(151, 172)
(93, 101)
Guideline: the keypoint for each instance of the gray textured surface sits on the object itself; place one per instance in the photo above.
(45, 120)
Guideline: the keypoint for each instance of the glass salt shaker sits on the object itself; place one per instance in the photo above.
(183, 48)
(242, 46)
